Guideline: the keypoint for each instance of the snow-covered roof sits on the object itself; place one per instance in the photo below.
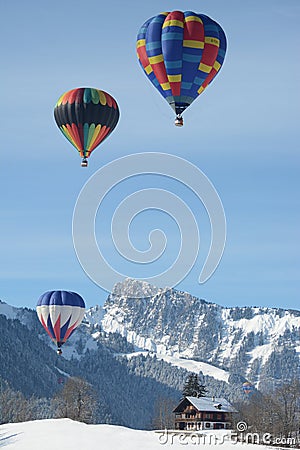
(211, 404)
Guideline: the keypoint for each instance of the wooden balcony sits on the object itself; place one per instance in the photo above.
(200, 417)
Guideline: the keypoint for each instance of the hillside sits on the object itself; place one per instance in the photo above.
(259, 344)
(69, 435)
(142, 344)
(29, 365)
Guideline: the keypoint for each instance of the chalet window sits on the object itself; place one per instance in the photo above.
(208, 416)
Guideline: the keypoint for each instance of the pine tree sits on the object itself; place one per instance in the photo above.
(192, 387)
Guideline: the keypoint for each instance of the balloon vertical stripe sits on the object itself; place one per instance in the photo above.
(102, 134)
(181, 53)
(60, 313)
(56, 329)
(81, 113)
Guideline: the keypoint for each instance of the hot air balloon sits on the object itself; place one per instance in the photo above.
(248, 388)
(86, 116)
(60, 313)
(181, 53)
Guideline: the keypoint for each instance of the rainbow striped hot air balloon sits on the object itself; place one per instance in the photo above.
(60, 313)
(181, 53)
(86, 116)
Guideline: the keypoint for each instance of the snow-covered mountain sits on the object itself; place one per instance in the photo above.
(261, 344)
(12, 312)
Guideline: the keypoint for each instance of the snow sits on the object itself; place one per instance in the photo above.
(13, 312)
(196, 366)
(188, 364)
(261, 352)
(265, 320)
(9, 311)
(268, 323)
(267, 326)
(69, 435)
(93, 316)
(136, 289)
(70, 347)
(113, 323)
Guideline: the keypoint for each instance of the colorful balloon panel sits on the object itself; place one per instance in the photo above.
(181, 53)
(86, 116)
(60, 313)
(248, 388)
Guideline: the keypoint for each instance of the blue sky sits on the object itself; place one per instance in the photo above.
(243, 133)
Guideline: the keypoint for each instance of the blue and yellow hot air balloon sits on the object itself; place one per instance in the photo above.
(181, 53)
(248, 388)
(60, 313)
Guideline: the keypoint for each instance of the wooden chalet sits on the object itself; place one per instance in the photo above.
(203, 413)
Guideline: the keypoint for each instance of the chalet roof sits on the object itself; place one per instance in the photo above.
(209, 404)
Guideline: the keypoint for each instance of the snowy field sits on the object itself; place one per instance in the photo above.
(69, 435)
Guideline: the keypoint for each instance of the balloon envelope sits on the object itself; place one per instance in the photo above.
(248, 388)
(181, 53)
(86, 116)
(60, 313)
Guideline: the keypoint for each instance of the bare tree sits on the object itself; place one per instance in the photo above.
(277, 413)
(77, 401)
(14, 407)
(163, 415)
(287, 398)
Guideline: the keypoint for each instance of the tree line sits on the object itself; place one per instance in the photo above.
(276, 413)
(77, 401)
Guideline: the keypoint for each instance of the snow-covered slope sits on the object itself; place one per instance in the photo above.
(69, 435)
(24, 315)
(188, 364)
(261, 345)
(8, 311)
(250, 341)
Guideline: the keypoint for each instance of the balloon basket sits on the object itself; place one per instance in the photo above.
(179, 121)
(84, 163)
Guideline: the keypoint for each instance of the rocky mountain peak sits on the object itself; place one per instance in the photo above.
(249, 341)
(135, 289)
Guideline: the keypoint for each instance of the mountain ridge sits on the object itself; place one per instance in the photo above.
(242, 340)
(259, 344)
